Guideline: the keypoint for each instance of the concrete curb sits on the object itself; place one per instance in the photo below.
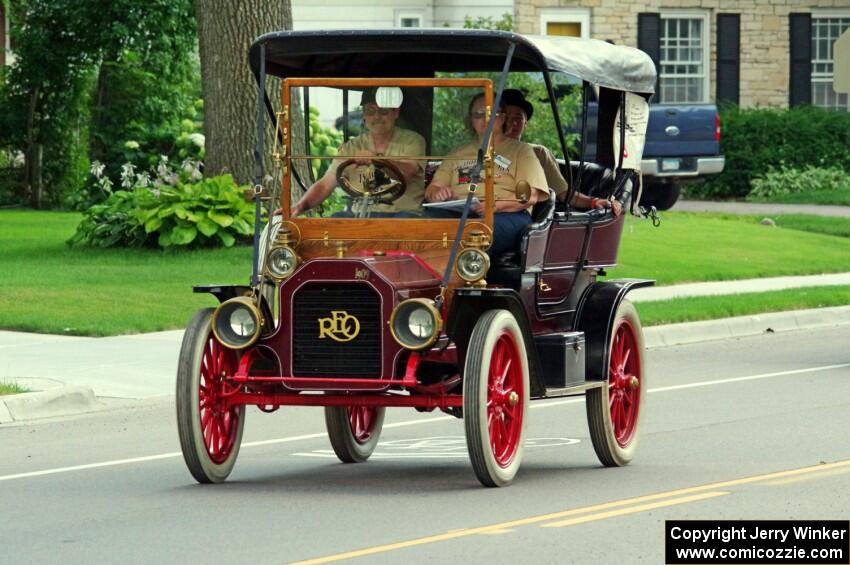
(743, 326)
(57, 401)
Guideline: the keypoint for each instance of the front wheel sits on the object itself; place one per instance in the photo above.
(210, 432)
(495, 397)
(354, 431)
(614, 410)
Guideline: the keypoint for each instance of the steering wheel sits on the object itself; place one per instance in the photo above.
(382, 182)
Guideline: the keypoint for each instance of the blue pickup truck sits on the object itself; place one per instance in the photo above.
(682, 144)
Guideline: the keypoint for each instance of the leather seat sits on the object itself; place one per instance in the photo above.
(507, 268)
(596, 180)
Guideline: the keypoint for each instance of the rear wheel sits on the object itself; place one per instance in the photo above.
(210, 432)
(614, 410)
(661, 195)
(495, 397)
(354, 431)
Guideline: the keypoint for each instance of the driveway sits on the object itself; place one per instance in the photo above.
(751, 208)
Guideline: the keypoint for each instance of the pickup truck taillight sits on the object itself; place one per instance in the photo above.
(717, 127)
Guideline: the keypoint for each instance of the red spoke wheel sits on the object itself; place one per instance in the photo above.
(354, 431)
(495, 397)
(614, 411)
(210, 431)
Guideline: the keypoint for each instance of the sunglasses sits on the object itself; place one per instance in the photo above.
(481, 114)
(372, 110)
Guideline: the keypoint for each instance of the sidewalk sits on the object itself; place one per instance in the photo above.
(755, 208)
(144, 366)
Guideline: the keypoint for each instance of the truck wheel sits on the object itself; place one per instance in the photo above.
(354, 431)
(661, 195)
(495, 398)
(614, 410)
(210, 435)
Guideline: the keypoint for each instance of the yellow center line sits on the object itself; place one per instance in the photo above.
(454, 534)
(792, 480)
(634, 509)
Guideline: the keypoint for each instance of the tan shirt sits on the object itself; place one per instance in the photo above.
(554, 178)
(513, 161)
(404, 143)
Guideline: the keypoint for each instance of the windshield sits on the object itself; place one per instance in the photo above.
(370, 151)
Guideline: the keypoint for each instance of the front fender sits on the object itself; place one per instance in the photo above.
(595, 317)
(224, 292)
(467, 306)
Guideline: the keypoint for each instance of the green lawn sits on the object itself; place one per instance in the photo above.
(836, 197)
(713, 307)
(46, 286)
(52, 288)
(10, 388)
(817, 224)
(714, 247)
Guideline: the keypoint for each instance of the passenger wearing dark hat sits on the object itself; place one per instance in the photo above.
(518, 111)
(514, 97)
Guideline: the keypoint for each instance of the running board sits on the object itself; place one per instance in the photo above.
(575, 390)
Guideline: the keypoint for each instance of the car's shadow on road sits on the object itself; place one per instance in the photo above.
(379, 478)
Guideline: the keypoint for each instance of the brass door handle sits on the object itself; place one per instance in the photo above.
(543, 286)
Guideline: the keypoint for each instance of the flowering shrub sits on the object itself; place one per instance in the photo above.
(778, 182)
(323, 141)
(166, 208)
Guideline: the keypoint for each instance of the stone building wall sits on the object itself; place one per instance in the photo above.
(764, 55)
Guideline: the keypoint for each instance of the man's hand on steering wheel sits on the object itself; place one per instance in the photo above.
(364, 157)
(391, 189)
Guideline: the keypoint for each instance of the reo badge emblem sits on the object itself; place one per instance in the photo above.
(361, 274)
(339, 326)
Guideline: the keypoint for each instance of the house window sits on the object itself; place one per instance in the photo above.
(825, 30)
(408, 19)
(572, 22)
(683, 74)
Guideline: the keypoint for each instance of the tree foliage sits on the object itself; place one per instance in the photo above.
(452, 103)
(63, 48)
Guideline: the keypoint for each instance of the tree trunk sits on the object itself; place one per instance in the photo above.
(225, 32)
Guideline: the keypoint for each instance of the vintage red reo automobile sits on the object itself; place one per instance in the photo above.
(356, 308)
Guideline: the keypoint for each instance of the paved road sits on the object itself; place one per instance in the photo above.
(753, 208)
(111, 487)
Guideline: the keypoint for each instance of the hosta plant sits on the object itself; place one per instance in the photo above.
(182, 213)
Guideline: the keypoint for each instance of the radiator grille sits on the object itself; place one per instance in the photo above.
(360, 357)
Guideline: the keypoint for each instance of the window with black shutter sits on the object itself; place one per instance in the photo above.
(649, 37)
(826, 28)
(800, 87)
(678, 43)
(728, 58)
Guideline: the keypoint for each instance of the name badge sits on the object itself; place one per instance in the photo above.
(502, 162)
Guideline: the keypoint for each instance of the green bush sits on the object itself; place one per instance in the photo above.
(779, 182)
(324, 142)
(209, 213)
(755, 141)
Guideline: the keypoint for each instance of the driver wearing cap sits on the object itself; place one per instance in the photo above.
(519, 112)
(381, 140)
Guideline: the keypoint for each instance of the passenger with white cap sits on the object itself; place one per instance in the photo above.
(382, 140)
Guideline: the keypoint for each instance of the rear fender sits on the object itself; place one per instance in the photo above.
(595, 317)
(469, 304)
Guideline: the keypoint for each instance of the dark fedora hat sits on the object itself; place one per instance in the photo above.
(514, 97)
